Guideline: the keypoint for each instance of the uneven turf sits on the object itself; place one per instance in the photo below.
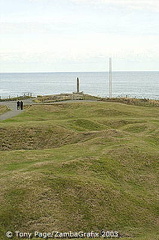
(81, 166)
(3, 109)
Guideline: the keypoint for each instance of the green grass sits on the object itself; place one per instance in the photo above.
(81, 167)
(134, 101)
(3, 109)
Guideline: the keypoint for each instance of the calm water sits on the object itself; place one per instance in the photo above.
(133, 84)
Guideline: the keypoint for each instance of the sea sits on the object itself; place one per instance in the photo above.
(131, 84)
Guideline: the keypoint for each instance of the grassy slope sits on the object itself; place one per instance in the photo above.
(3, 109)
(81, 166)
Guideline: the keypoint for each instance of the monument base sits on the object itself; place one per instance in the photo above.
(77, 96)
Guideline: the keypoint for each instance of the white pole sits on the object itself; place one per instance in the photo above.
(110, 78)
(77, 85)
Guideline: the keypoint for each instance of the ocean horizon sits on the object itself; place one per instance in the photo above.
(139, 84)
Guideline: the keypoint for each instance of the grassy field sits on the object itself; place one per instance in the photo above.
(81, 167)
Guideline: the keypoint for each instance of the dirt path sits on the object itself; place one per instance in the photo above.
(12, 105)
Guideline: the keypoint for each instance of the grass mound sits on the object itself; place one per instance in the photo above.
(38, 137)
(65, 97)
(81, 166)
(134, 101)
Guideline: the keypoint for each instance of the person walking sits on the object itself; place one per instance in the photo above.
(21, 105)
(18, 105)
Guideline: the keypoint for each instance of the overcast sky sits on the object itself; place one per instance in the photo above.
(79, 35)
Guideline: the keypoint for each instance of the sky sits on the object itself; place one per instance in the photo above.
(79, 35)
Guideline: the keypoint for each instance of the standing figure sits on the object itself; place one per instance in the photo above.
(18, 105)
(21, 105)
